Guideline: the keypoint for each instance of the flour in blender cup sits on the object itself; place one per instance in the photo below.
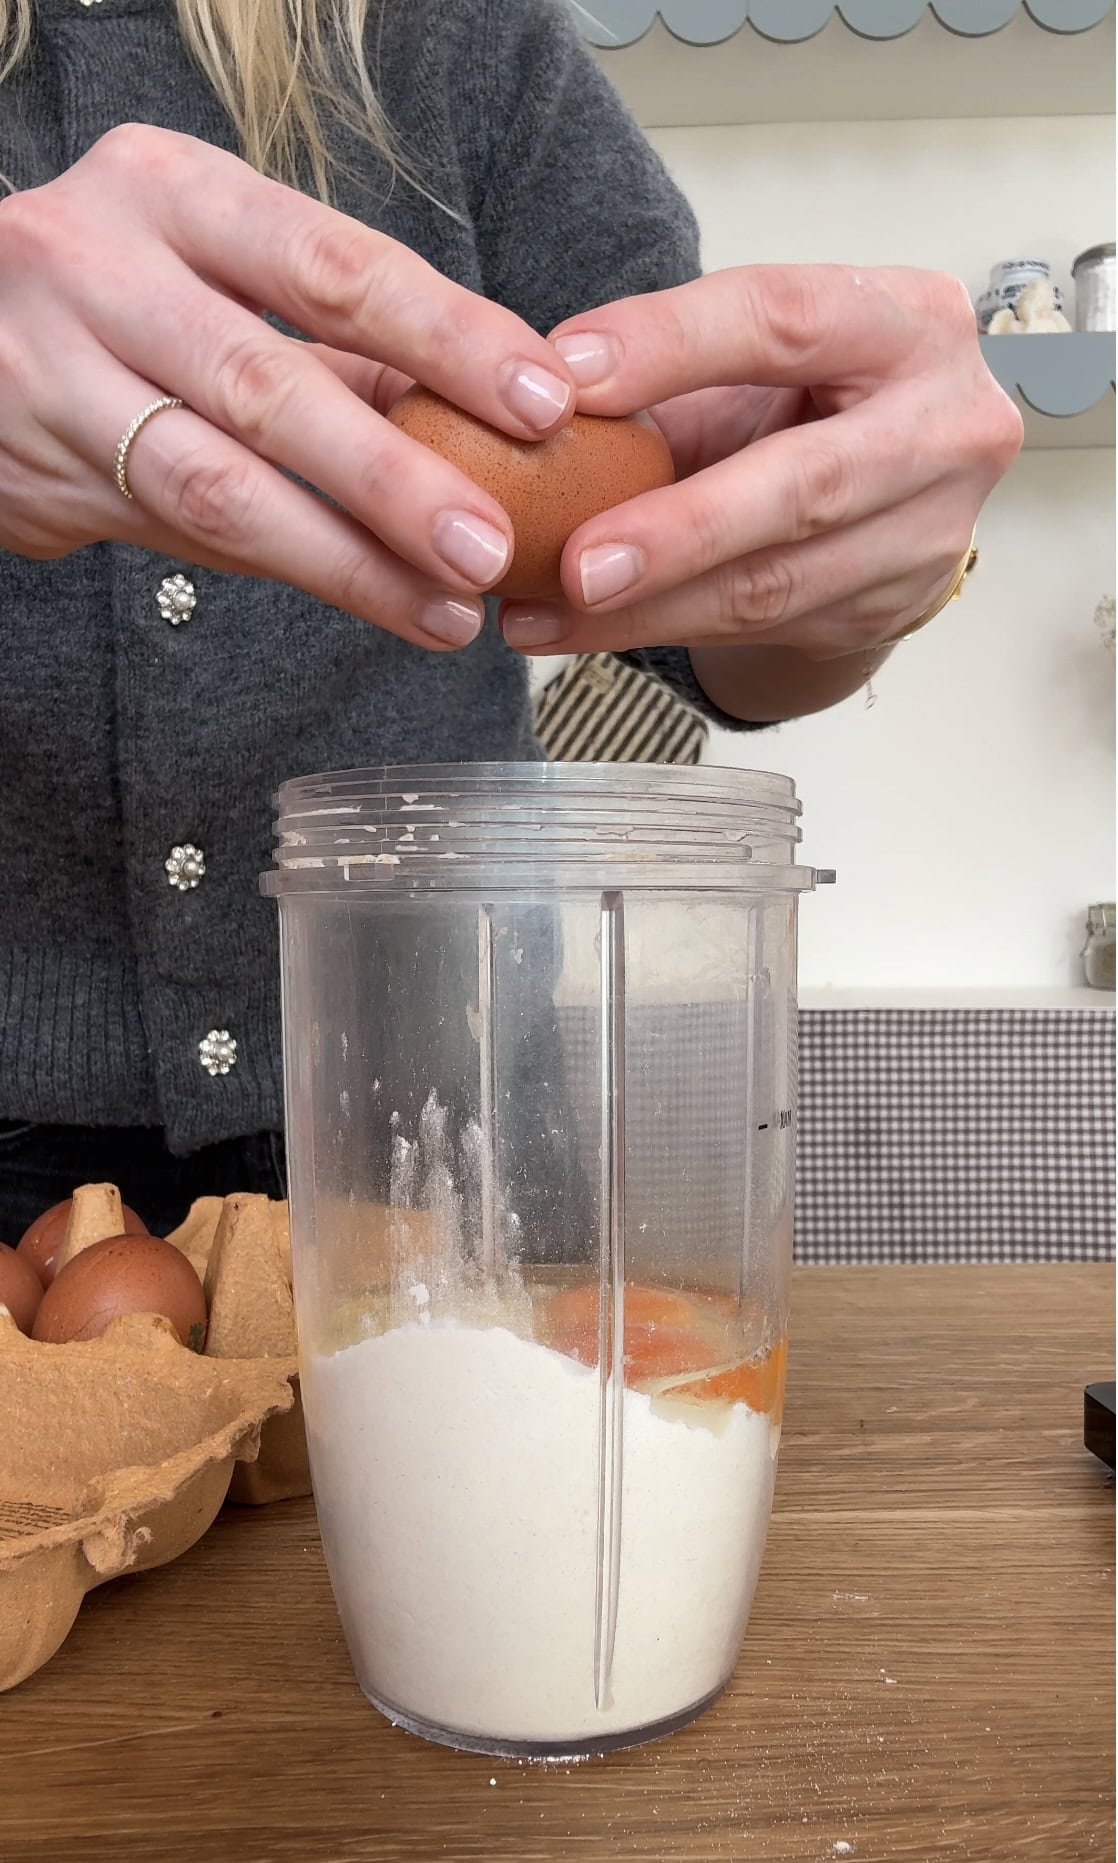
(455, 1471)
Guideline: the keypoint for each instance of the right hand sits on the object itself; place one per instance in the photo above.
(141, 272)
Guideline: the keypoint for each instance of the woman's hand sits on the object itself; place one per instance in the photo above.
(835, 434)
(142, 272)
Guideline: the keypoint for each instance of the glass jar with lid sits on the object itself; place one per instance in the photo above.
(1093, 272)
(1098, 952)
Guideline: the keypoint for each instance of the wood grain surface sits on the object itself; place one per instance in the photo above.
(928, 1673)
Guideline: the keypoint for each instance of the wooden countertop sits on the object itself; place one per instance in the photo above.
(928, 1674)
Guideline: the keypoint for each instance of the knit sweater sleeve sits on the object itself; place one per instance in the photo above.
(572, 206)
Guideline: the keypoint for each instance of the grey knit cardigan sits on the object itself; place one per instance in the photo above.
(130, 725)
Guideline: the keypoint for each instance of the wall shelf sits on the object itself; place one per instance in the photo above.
(838, 75)
(711, 22)
(1064, 384)
(960, 997)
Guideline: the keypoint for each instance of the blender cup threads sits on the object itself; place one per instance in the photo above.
(540, 1041)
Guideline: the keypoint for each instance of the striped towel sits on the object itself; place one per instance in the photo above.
(598, 710)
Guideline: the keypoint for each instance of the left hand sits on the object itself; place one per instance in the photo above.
(835, 434)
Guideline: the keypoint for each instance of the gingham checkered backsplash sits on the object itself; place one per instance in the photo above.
(956, 1135)
(925, 1135)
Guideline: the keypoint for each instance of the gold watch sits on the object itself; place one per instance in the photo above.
(950, 594)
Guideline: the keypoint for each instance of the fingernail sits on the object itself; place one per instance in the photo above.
(534, 396)
(608, 570)
(476, 549)
(588, 356)
(455, 623)
(543, 627)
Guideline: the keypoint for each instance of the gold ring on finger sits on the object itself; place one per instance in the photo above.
(120, 464)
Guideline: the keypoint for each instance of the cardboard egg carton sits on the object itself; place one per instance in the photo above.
(115, 1455)
(240, 1248)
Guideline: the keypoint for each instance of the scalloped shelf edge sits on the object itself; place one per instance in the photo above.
(1059, 375)
(613, 24)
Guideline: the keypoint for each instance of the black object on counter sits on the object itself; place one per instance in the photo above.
(1098, 1421)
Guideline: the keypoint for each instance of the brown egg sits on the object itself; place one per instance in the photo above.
(42, 1242)
(548, 487)
(123, 1274)
(20, 1288)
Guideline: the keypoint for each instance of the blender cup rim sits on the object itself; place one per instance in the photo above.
(541, 778)
(569, 827)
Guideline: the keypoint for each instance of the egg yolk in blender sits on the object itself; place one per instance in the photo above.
(678, 1345)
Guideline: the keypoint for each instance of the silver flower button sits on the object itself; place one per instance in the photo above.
(217, 1052)
(176, 598)
(185, 866)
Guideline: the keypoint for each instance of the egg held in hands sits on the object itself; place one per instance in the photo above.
(548, 487)
(122, 1274)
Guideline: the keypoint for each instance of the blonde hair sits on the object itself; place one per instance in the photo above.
(281, 68)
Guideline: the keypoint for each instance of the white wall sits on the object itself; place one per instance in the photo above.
(958, 195)
(970, 813)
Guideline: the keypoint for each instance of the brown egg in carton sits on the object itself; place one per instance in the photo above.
(117, 1452)
(240, 1250)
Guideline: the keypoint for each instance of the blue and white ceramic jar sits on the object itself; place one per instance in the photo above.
(1007, 281)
